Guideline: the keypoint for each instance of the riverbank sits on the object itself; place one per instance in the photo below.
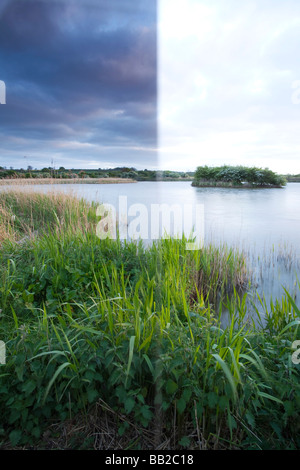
(112, 345)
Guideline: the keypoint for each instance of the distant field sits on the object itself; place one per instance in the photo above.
(66, 181)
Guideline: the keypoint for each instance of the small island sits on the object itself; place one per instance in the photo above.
(237, 177)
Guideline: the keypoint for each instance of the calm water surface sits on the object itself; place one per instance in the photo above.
(264, 223)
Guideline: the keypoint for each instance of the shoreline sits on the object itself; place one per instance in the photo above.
(23, 181)
(236, 186)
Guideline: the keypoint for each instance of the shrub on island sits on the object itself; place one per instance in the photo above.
(237, 176)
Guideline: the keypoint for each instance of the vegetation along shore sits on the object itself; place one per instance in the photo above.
(114, 345)
(224, 176)
(238, 177)
(89, 176)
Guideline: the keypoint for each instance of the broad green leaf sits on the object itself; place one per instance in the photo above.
(180, 405)
(15, 437)
(269, 397)
(171, 386)
(129, 404)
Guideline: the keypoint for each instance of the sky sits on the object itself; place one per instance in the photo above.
(81, 83)
(171, 84)
(229, 83)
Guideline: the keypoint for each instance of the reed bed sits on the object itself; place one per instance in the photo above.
(117, 345)
(24, 213)
(29, 181)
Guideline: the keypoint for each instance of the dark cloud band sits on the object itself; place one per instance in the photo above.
(76, 70)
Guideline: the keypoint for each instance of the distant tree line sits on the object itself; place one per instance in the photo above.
(237, 175)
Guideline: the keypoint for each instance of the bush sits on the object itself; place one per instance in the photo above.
(238, 175)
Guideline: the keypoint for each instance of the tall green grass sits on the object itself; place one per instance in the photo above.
(24, 213)
(137, 333)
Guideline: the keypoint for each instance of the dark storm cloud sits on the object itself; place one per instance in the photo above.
(75, 70)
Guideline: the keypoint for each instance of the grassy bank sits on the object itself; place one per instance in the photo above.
(113, 345)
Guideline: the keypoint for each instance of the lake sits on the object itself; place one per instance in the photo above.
(264, 223)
